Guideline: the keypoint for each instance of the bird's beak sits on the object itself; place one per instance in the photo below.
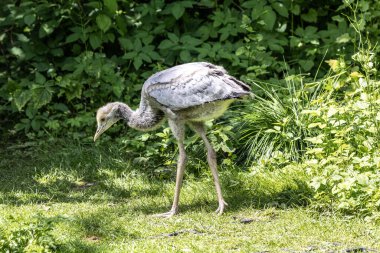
(103, 127)
(99, 131)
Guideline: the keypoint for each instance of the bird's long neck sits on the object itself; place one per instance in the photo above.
(144, 118)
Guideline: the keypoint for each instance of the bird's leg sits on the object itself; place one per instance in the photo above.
(178, 131)
(211, 158)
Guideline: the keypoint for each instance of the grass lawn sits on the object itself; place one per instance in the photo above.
(95, 200)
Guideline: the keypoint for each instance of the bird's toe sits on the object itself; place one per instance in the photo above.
(222, 206)
(165, 215)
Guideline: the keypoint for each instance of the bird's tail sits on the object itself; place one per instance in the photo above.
(243, 85)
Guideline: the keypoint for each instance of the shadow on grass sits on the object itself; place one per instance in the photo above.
(79, 173)
(79, 246)
(296, 194)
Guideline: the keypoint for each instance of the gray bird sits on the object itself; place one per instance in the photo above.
(189, 94)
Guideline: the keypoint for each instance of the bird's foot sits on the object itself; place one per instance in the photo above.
(169, 214)
(222, 206)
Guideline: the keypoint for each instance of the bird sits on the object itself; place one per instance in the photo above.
(185, 95)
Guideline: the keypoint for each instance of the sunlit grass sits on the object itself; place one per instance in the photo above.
(106, 205)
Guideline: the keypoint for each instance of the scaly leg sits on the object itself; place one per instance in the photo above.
(211, 158)
(178, 131)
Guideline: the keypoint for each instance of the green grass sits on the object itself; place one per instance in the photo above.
(99, 201)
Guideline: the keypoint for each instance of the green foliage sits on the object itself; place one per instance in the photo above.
(157, 151)
(63, 59)
(331, 127)
(32, 236)
(344, 152)
(273, 125)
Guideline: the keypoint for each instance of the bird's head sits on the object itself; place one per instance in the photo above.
(106, 116)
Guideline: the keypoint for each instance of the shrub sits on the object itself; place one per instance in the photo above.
(63, 59)
(344, 156)
(272, 124)
(30, 237)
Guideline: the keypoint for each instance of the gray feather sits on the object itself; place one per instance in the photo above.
(193, 84)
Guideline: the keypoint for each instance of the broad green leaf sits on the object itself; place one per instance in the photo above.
(110, 37)
(165, 44)
(121, 24)
(103, 22)
(46, 29)
(145, 137)
(187, 39)
(275, 47)
(316, 140)
(269, 18)
(153, 55)
(249, 4)
(137, 45)
(185, 56)
(378, 116)
(130, 55)
(39, 78)
(361, 105)
(21, 37)
(73, 37)
(57, 52)
(312, 112)
(344, 38)
(21, 97)
(282, 28)
(36, 124)
(41, 95)
(331, 112)
(295, 9)
(280, 8)
(117, 89)
(311, 16)
(53, 124)
(111, 5)
(362, 179)
(173, 37)
(126, 43)
(30, 112)
(315, 183)
(241, 50)
(318, 124)
(137, 62)
(258, 10)
(315, 151)
(177, 10)
(145, 57)
(18, 52)
(246, 21)
(60, 107)
(94, 4)
(306, 64)
(95, 41)
(29, 19)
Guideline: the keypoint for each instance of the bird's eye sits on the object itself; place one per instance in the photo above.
(102, 119)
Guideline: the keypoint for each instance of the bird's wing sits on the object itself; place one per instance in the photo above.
(193, 84)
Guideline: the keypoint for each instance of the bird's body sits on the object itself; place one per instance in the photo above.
(185, 94)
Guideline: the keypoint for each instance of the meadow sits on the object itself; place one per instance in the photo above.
(75, 197)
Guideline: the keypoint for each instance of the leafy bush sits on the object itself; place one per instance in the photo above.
(30, 237)
(63, 59)
(344, 156)
(158, 150)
